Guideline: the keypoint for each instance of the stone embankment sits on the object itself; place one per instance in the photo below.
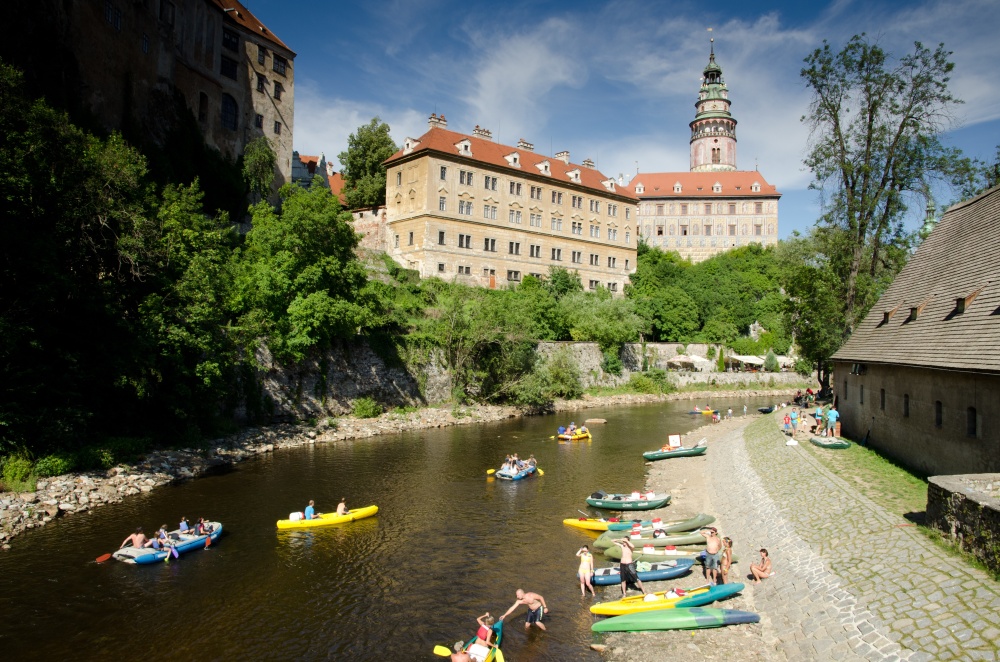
(81, 492)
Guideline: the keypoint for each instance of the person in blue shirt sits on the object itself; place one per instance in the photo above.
(183, 527)
(310, 512)
(831, 421)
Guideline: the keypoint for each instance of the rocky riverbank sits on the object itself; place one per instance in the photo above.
(82, 492)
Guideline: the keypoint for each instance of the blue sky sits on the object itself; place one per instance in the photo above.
(613, 81)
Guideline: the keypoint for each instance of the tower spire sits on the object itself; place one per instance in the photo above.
(713, 130)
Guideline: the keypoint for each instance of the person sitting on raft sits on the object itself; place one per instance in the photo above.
(572, 428)
(583, 429)
(138, 539)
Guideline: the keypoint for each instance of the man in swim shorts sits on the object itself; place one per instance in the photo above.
(713, 554)
(536, 608)
(626, 568)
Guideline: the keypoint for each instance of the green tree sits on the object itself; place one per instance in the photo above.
(670, 313)
(258, 166)
(300, 286)
(771, 362)
(363, 169)
(875, 124)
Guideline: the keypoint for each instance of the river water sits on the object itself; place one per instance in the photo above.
(447, 545)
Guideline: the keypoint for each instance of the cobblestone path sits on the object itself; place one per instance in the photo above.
(853, 581)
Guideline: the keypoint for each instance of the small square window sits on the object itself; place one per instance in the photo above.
(441, 267)
(279, 64)
(277, 127)
(258, 121)
(261, 54)
(278, 89)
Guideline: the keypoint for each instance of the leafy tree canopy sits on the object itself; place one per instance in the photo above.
(363, 169)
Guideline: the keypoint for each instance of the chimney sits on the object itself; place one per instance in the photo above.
(482, 133)
(435, 121)
(588, 163)
(524, 144)
(563, 156)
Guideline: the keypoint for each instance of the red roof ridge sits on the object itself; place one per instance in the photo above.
(243, 17)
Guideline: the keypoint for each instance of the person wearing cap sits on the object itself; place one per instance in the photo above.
(713, 553)
(460, 655)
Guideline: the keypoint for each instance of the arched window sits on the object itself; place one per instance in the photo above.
(230, 113)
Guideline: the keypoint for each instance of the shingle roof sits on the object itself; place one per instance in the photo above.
(960, 259)
(242, 17)
(336, 182)
(661, 184)
(491, 153)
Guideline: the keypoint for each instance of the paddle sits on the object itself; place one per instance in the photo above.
(489, 472)
(442, 651)
(540, 472)
(499, 657)
(103, 557)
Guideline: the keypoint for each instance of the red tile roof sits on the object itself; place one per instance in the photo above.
(242, 17)
(491, 153)
(336, 181)
(310, 162)
(661, 184)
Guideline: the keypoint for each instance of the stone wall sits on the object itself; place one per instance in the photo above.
(966, 509)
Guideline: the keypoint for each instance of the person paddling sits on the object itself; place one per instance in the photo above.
(342, 506)
(310, 511)
(138, 539)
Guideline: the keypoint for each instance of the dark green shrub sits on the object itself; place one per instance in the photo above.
(771, 362)
(366, 408)
(55, 465)
(612, 363)
(16, 469)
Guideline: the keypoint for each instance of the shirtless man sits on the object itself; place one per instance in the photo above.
(713, 554)
(138, 539)
(460, 655)
(342, 506)
(536, 607)
(626, 568)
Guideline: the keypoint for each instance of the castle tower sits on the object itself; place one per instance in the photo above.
(713, 130)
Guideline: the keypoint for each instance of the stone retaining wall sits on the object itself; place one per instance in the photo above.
(966, 509)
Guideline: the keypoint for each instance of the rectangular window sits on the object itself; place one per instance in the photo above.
(861, 395)
(410, 240)
(399, 178)
(490, 183)
(708, 207)
(442, 204)
(626, 264)
(515, 188)
(595, 206)
(230, 40)
(556, 198)
(278, 89)
(578, 228)
(441, 267)
(465, 271)
(659, 210)
(397, 241)
(536, 192)
(595, 260)
(577, 201)
(514, 248)
(441, 236)
(708, 230)
(613, 234)
(732, 230)
(732, 208)
(594, 284)
(881, 399)
(536, 251)
(845, 389)
(258, 121)
(465, 177)
(490, 245)
(577, 257)
(659, 230)
(938, 414)
(261, 82)
(612, 210)
(487, 272)
(514, 216)
(514, 275)
(465, 241)
(444, 173)
(261, 54)
(465, 207)
(556, 224)
(684, 230)
(971, 422)
(535, 220)
(613, 287)
(758, 207)
(757, 229)
(557, 254)
(612, 262)
(906, 405)
(628, 213)
(490, 212)
(684, 209)
(145, 42)
(279, 64)
(277, 127)
(595, 231)
(229, 68)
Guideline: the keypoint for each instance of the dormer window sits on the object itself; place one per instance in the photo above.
(464, 147)
(717, 187)
(639, 188)
(409, 144)
(543, 168)
(574, 175)
(513, 160)
(677, 187)
(755, 187)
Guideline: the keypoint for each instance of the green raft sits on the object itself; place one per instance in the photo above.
(676, 452)
(676, 619)
(830, 442)
(677, 526)
(604, 540)
(626, 502)
(658, 554)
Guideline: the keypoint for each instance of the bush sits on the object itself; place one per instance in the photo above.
(771, 362)
(16, 470)
(710, 354)
(367, 408)
(563, 375)
(654, 381)
(55, 465)
(803, 367)
(612, 363)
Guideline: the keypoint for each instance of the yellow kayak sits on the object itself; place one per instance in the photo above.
(639, 603)
(588, 523)
(327, 519)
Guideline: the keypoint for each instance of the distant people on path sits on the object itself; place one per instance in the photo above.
(727, 559)
(138, 539)
(820, 419)
(794, 416)
(761, 570)
(744, 411)
(713, 553)
(626, 567)
(310, 511)
(342, 506)
(729, 414)
(585, 571)
(831, 421)
(536, 608)
(787, 420)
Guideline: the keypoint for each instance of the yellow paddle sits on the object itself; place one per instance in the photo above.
(442, 651)
(489, 472)
(540, 472)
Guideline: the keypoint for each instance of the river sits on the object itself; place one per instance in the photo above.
(447, 545)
